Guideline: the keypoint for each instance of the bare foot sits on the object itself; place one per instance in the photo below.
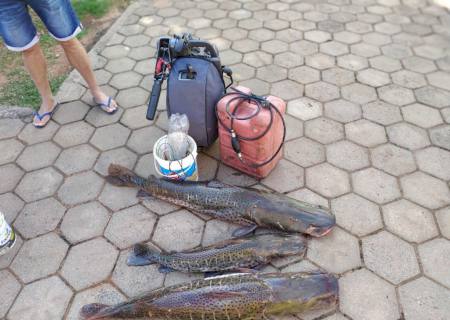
(45, 107)
(101, 98)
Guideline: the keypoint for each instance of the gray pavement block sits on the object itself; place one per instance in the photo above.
(435, 257)
(309, 196)
(9, 285)
(117, 198)
(443, 220)
(422, 115)
(73, 134)
(121, 156)
(285, 177)
(365, 133)
(44, 253)
(10, 128)
(393, 160)
(375, 185)
(425, 190)
(142, 140)
(10, 206)
(440, 136)
(324, 130)
(77, 159)
(39, 184)
(110, 137)
(97, 257)
(30, 135)
(434, 161)
(347, 155)
(10, 150)
(79, 188)
(381, 112)
(38, 156)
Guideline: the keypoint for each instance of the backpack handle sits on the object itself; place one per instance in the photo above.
(211, 49)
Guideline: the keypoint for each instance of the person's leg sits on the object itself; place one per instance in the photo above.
(62, 23)
(20, 35)
(79, 59)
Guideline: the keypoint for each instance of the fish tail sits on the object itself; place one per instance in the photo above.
(123, 177)
(96, 311)
(142, 255)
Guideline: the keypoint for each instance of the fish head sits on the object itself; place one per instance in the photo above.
(298, 292)
(289, 215)
(280, 244)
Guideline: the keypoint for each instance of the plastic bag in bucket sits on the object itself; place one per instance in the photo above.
(184, 169)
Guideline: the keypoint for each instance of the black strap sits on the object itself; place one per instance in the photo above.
(260, 102)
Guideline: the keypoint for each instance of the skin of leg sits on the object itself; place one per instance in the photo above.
(79, 59)
(36, 65)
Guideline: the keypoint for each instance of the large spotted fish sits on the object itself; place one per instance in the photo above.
(228, 255)
(244, 296)
(246, 206)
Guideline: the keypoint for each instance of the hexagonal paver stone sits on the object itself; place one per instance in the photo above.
(71, 112)
(117, 198)
(134, 281)
(365, 133)
(10, 206)
(356, 214)
(435, 257)
(337, 252)
(145, 166)
(230, 176)
(10, 285)
(84, 222)
(287, 89)
(80, 188)
(419, 64)
(375, 185)
(305, 108)
(317, 36)
(439, 79)
(11, 175)
(38, 156)
(39, 184)
(443, 220)
(365, 50)
(347, 155)
(97, 258)
(364, 296)
(396, 51)
(121, 156)
(44, 254)
(133, 119)
(285, 177)
(39, 217)
(338, 76)
(178, 231)
(342, 110)
(408, 136)
(104, 294)
(440, 136)
(304, 152)
(373, 77)
(31, 136)
(390, 257)
(288, 60)
(258, 86)
(434, 161)
(334, 48)
(320, 61)
(327, 180)
(271, 73)
(393, 160)
(120, 65)
(130, 226)
(322, 91)
(257, 59)
(7, 258)
(386, 64)
(422, 115)
(352, 62)
(42, 300)
(132, 97)
(409, 79)
(424, 299)
(143, 140)
(73, 134)
(114, 52)
(396, 95)
(425, 190)
(125, 80)
(76, 159)
(359, 93)
(433, 97)
(382, 112)
(324, 130)
(10, 150)
(309, 196)
(216, 231)
(110, 137)
(10, 128)
(411, 222)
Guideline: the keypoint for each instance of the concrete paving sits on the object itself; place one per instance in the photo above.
(368, 89)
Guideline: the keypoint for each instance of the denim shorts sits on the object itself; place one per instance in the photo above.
(18, 31)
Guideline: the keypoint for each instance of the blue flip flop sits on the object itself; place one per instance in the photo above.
(46, 114)
(104, 105)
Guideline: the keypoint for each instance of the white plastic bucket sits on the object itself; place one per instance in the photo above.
(184, 169)
(7, 235)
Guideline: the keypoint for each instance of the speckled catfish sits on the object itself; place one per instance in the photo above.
(228, 255)
(233, 296)
(246, 206)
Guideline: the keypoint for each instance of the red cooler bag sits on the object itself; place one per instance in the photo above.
(251, 131)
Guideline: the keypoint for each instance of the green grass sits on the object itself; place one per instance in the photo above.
(20, 90)
(96, 8)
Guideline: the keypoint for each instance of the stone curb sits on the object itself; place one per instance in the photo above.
(16, 112)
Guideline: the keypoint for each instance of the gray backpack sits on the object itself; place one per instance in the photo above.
(195, 84)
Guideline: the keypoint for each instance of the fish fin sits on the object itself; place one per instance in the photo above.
(243, 231)
(121, 176)
(141, 255)
(92, 311)
(144, 195)
(165, 269)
